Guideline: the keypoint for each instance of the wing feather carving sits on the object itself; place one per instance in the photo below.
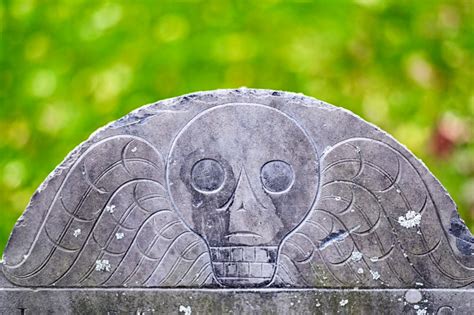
(111, 224)
(368, 226)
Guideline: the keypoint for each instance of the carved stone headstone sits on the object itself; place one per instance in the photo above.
(243, 200)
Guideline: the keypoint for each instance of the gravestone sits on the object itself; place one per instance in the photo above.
(239, 201)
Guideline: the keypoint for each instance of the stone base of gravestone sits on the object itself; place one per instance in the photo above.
(235, 301)
(239, 201)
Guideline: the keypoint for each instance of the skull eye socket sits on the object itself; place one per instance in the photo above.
(207, 176)
(277, 176)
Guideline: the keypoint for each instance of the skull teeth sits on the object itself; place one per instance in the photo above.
(257, 254)
(251, 265)
(243, 270)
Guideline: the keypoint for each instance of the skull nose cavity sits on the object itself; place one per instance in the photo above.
(244, 198)
(241, 207)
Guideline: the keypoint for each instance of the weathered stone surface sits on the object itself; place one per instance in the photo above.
(240, 189)
(233, 301)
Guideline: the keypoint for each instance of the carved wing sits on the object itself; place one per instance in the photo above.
(372, 226)
(111, 224)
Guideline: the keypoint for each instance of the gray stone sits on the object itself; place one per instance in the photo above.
(228, 200)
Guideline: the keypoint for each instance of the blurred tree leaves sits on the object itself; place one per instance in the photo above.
(69, 67)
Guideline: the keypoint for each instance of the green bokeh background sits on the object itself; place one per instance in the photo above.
(69, 67)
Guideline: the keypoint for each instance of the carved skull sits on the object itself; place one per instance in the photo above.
(243, 176)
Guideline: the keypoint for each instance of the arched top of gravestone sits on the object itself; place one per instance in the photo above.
(240, 188)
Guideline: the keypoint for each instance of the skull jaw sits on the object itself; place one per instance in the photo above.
(244, 266)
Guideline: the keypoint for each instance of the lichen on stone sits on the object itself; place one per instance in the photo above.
(356, 256)
(77, 232)
(110, 208)
(185, 309)
(410, 219)
(375, 275)
(102, 265)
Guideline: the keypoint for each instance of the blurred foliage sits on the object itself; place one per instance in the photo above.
(69, 67)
